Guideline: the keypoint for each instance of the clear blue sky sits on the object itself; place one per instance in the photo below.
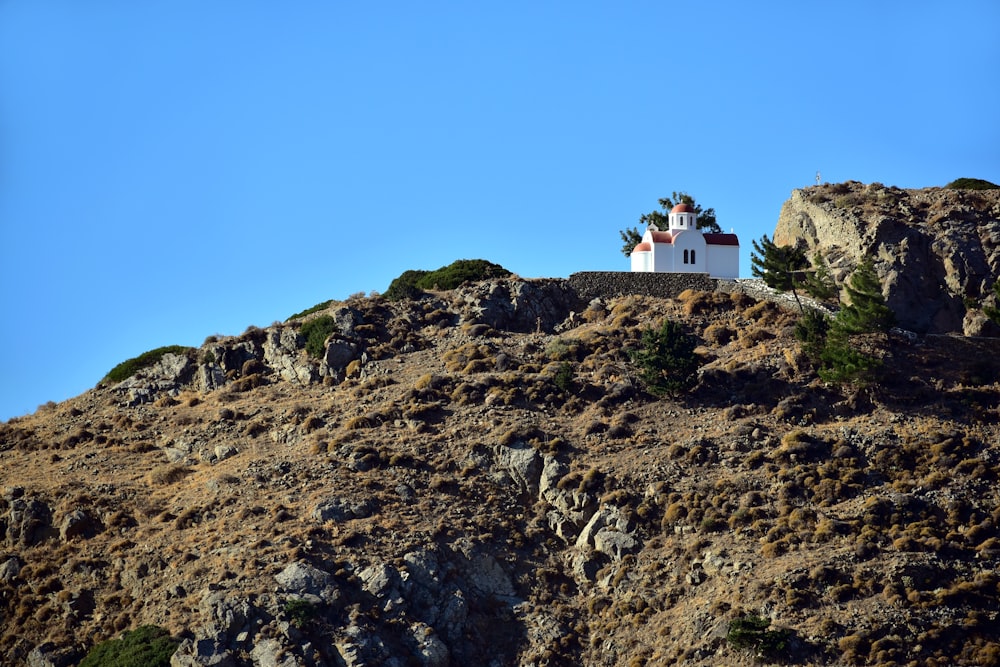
(172, 170)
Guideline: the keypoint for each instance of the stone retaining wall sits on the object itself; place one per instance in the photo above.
(589, 285)
(592, 284)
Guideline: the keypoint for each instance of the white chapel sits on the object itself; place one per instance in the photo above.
(684, 249)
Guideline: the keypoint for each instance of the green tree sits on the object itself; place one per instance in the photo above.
(843, 359)
(819, 283)
(811, 330)
(666, 358)
(780, 267)
(866, 311)
(631, 236)
(993, 312)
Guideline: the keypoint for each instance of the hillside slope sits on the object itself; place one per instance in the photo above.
(479, 478)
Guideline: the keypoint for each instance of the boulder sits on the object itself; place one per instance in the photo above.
(283, 353)
(79, 523)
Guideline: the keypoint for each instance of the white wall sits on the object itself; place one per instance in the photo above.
(724, 261)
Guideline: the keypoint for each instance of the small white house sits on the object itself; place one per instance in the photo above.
(684, 249)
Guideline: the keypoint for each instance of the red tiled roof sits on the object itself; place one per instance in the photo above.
(662, 237)
(722, 239)
(643, 247)
(682, 208)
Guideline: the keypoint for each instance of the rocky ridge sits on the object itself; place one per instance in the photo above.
(936, 250)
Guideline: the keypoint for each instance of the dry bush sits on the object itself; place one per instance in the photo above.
(718, 334)
(168, 474)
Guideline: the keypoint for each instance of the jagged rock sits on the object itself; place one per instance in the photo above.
(338, 510)
(202, 653)
(210, 377)
(10, 569)
(29, 522)
(608, 533)
(272, 653)
(522, 463)
(223, 452)
(347, 320)
(430, 651)
(282, 352)
(510, 305)
(380, 580)
(484, 574)
(339, 353)
(79, 523)
(304, 579)
(584, 563)
(934, 249)
(51, 655)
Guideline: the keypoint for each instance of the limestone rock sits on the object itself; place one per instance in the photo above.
(518, 305)
(29, 522)
(933, 249)
(283, 353)
(522, 463)
(78, 523)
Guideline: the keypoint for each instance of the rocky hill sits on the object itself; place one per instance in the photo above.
(479, 477)
(937, 250)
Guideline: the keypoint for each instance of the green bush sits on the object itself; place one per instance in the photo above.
(971, 184)
(309, 311)
(564, 376)
(666, 359)
(147, 646)
(300, 612)
(405, 286)
(411, 284)
(750, 632)
(130, 367)
(316, 331)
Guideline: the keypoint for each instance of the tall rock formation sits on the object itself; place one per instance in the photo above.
(936, 250)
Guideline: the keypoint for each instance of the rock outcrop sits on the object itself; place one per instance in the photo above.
(936, 250)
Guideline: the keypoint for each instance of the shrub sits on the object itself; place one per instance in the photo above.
(147, 646)
(750, 632)
(564, 376)
(130, 367)
(666, 359)
(316, 331)
(300, 612)
(971, 184)
(411, 284)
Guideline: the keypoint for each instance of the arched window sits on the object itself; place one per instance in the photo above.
(692, 256)
(685, 256)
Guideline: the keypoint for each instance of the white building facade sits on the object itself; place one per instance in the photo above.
(684, 249)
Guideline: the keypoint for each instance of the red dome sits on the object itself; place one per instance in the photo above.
(643, 247)
(682, 208)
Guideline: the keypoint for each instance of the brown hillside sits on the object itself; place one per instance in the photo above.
(429, 494)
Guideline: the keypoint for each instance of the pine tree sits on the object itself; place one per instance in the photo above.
(994, 312)
(842, 360)
(811, 330)
(867, 311)
(778, 266)
(820, 283)
(666, 358)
